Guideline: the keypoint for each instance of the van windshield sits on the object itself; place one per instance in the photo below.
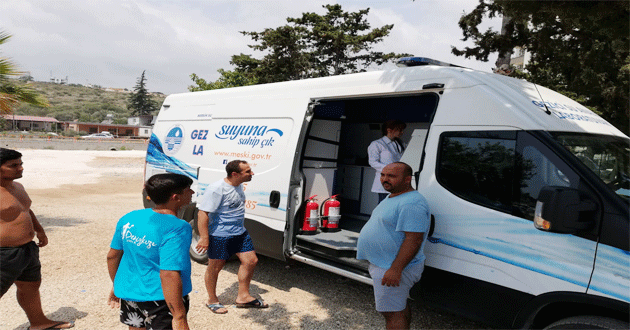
(607, 156)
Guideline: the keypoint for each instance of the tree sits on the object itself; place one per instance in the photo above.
(313, 45)
(337, 42)
(13, 92)
(140, 101)
(228, 79)
(579, 48)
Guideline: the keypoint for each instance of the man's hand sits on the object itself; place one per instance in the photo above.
(391, 277)
(42, 239)
(112, 300)
(202, 245)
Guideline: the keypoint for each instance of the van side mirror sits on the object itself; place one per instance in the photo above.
(561, 210)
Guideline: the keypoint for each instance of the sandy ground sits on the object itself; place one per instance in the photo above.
(78, 197)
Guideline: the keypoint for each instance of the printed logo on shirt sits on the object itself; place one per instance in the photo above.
(128, 236)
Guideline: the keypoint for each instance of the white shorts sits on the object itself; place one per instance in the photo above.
(394, 298)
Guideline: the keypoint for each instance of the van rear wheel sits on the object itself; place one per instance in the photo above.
(588, 322)
(197, 257)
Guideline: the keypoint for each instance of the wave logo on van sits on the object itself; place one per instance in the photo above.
(159, 161)
(249, 135)
(173, 140)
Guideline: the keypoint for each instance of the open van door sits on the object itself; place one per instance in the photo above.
(332, 159)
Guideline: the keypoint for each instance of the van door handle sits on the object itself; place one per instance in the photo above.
(432, 227)
(274, 199)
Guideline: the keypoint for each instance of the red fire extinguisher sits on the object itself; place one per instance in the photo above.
(331, 214)
(311, 217)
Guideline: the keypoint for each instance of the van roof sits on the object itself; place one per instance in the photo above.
(478, 98)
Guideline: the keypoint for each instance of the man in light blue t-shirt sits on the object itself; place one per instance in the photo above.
(393, 241)
(149, 261)
(222, 233)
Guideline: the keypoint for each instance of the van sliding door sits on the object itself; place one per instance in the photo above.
(334, 161)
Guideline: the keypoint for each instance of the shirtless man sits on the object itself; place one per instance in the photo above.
(19, 254)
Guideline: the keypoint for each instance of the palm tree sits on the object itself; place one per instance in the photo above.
(12, 93)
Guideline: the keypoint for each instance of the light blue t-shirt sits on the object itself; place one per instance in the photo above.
(150, 242)
(226, 205)
(381, 237)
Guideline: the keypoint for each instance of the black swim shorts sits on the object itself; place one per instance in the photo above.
(19, 263)
(152, 315)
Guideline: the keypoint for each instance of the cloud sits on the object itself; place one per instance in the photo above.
(110, 43)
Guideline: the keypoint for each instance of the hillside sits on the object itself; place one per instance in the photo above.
(70, 102)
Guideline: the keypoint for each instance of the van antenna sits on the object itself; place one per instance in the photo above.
(547, 111)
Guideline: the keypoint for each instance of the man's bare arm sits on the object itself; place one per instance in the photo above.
(409, 248)
(172, 289)
(113, 261)
(42, 239)
(203, 219)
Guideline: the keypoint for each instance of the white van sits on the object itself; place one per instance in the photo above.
(528, 190)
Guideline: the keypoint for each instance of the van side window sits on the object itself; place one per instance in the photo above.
(479, 166)
(539, 167)
(501, 170)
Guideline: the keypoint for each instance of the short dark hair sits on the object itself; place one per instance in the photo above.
(8, 154)
(407, 170)
(161, 187)
(393, 124)
(234, 166)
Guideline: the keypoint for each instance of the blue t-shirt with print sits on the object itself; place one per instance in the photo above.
(150, 242)
(225, 204)
(381, 237)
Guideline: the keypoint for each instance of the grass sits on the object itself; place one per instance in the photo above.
(75, 102)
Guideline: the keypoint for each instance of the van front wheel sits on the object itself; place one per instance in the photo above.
(588, 322)
(200, 258)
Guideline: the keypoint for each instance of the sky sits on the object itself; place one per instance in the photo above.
(109, 43)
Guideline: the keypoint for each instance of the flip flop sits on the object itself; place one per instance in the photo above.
(256, 303)
(56, 326)
(215, 307)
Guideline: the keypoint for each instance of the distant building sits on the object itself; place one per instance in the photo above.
(520, 58)
(90, 128)
(60, 81)
(117, 90)
(31, 123)
(109, 119)
(146, 120)
(517, 59)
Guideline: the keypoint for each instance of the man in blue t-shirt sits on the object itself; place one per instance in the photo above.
(393, 241)
(222, 233)
(149, 261)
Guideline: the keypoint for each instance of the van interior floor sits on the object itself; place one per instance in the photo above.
(340, 246)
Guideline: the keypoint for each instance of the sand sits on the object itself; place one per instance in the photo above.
(78, 196)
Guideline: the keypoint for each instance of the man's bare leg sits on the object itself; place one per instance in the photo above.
(245, 273)
(398, 320)
(29, 299)
(211, 277)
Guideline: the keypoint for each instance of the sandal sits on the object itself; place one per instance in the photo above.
(256, 303)
(215, 308)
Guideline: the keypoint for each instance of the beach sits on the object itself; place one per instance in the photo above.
(79, 195)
